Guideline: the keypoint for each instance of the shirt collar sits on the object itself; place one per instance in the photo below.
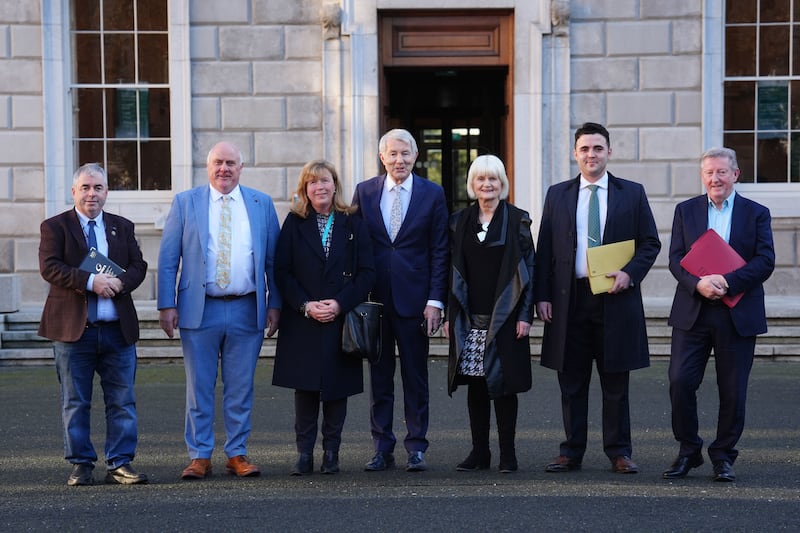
(728, 202)
(85, 220)
(601, 183)
(390, 183)
(235, 194)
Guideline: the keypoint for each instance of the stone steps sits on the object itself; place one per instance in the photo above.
(20, 345)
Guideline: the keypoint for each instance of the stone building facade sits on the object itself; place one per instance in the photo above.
(292, 80)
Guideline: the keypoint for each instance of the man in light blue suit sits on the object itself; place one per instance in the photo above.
(223, 238)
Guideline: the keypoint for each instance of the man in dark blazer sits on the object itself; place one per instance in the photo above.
(581, 327)
(92, 321)
(701, 320)
(411, 268)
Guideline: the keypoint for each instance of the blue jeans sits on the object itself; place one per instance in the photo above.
(103, 350)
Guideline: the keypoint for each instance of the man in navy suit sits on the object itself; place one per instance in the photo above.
(701, 321)
(407, 220)
(581, 327)
(223, 236)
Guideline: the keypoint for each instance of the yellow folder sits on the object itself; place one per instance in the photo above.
(605, 259)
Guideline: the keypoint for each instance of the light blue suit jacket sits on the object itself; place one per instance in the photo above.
(185, 242)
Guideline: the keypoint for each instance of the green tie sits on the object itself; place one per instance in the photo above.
(594, 217)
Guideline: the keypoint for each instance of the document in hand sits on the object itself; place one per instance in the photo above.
(605, 259)
(97, 263)
(710, 254)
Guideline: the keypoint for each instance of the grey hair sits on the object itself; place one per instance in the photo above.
(399, 135)
(721, 152)
(487, 165)
(90, 169)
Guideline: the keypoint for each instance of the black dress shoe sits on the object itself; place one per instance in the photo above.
(723, 471)
(562, 463)
(81, 475)
(125, 475)
(416, 462)
(380, 461)
(475, 461)
(330, 462)
(681, 466)
(304, 465)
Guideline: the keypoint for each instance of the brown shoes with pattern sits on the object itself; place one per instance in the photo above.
(197, 469)
(241, 466)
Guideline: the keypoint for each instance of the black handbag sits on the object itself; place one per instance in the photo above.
(362, 330)
(361, 333)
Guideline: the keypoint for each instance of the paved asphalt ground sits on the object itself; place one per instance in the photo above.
(766, 497)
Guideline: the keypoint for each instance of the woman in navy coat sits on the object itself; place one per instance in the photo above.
(324, 268)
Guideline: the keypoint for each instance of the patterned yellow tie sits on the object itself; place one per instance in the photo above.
(223, 274)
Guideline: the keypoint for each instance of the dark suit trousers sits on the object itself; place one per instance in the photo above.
(733, 359)
(412, 347)
(306, 414)
(584, 344)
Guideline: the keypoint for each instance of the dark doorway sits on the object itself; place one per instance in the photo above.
(455, 114)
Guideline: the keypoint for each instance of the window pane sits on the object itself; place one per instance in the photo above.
(740, 51)
(772, 158)
(158, 113)
(123, 172)
(118, 15)
(795, 113)
(797, 10)
(86, 15)
(773, 103)
(130, 116)
(773, 10)
(89, 113)
(742, 144)
(153, 54)
(151, 15)
(774, 56)
(119, 59)
(737, 12)
(795, 171)
(740, 105)
(156, 166)
(90, 152)
(87, 54)
(796, 49)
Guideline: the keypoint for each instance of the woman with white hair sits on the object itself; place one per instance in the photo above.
(490, 310)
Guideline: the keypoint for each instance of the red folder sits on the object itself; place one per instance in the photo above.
(710, 254)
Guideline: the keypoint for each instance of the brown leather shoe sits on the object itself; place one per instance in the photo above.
(622, 464)
(197, 469)
(562, 463)
(241, 466)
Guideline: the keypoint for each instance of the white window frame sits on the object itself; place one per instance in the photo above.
(139, 206)
(780, 198)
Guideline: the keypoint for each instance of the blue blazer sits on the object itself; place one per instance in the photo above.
(415, 266)
(185, 242)
(751, 237)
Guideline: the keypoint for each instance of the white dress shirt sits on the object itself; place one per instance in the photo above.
(242, 267)
(582, 221)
